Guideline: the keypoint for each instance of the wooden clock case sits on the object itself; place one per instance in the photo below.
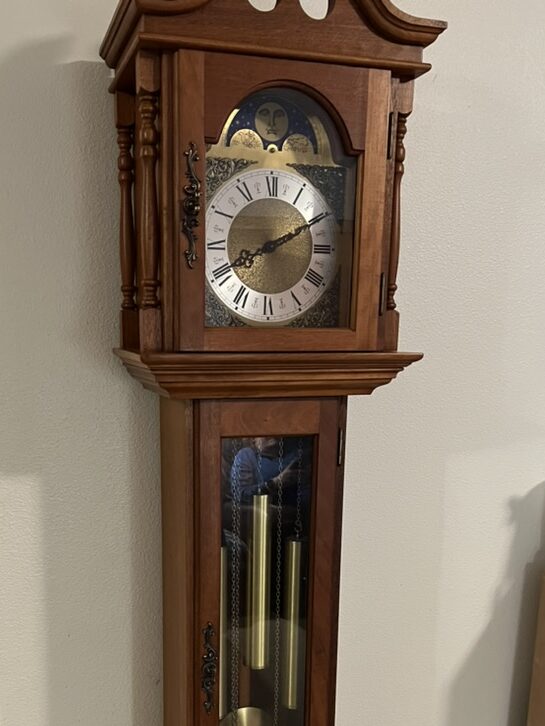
(180, 67)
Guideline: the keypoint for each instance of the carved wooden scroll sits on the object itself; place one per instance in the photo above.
(148, 231)
(125, 163)
(395, 235)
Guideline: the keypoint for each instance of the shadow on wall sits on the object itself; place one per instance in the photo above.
(79, 430)
(517, 601)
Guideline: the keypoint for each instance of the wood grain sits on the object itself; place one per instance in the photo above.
(376, 25)
(125, 124)
(321, 666)
(231, 78)
(148, 233)
(169, 249)
(284, 375)
(189, 283)
(322, 418)
(208, 517)
(178, 502)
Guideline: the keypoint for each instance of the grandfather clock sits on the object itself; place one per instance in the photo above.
(260, 164)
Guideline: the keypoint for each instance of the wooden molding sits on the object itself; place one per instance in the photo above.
(400, 27)
(381, 16)
(241, 375)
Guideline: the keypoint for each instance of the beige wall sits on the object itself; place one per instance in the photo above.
(445, 484)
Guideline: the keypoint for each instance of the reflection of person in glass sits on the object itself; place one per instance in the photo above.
(257, 466)
(257, 469)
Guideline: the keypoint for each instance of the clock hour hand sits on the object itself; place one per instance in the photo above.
(246, 258)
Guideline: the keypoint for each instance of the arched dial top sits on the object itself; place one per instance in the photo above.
(270, 246)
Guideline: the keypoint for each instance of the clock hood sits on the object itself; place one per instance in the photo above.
(357, 32)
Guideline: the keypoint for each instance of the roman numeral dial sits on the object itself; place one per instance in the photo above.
(271, 246)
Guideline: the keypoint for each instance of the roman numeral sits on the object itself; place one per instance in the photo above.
(222, 273)
(272, 185)
(219, 245)
(322, 249)
(241, 298)
(313, 277)
(224, 214)
(243, 189)
(318, 218)
(298, 195)
(297, 302)
(267, 306)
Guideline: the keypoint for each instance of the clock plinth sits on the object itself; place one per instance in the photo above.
(282, 375)
(261, 158)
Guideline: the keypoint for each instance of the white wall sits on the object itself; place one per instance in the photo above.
(445, 486)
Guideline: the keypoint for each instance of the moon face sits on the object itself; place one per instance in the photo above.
(271, 121)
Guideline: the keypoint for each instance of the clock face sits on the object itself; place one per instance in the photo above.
(280, 200)
(270, 246)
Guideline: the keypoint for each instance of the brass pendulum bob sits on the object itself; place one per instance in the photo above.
(259, 583)
(247, 716)
(292, 633)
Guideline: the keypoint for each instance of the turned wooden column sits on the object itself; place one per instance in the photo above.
(127, 240)
(395, 233)
(148, 230)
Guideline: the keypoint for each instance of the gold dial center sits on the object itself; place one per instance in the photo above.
(262, 221)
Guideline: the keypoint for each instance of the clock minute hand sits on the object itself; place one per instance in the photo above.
(246, 258)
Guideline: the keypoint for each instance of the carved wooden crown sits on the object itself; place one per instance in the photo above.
(357, 32)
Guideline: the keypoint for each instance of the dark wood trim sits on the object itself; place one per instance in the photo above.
(381, 15)
(231, 78)
(325, 567)
(319, 417)
(402, 110)
(148, 233)
(178, 501)
(189, 103)
(208, 519)
(124, 76)
(283, 375)
(400, 27)
(125, 164)
(168, 255)
(125, 124)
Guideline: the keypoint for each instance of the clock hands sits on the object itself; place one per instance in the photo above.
(246, 257)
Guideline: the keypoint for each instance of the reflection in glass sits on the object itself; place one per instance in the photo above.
(266, 500)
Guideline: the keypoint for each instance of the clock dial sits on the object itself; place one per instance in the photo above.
(270, 247)
(280, 216)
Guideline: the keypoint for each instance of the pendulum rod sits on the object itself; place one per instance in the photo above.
(278, 586)
(259, 574)
(292, 600)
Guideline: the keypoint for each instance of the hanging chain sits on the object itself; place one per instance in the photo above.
(235, 586)
(259, 445)
(277, 629)
(298, 517)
